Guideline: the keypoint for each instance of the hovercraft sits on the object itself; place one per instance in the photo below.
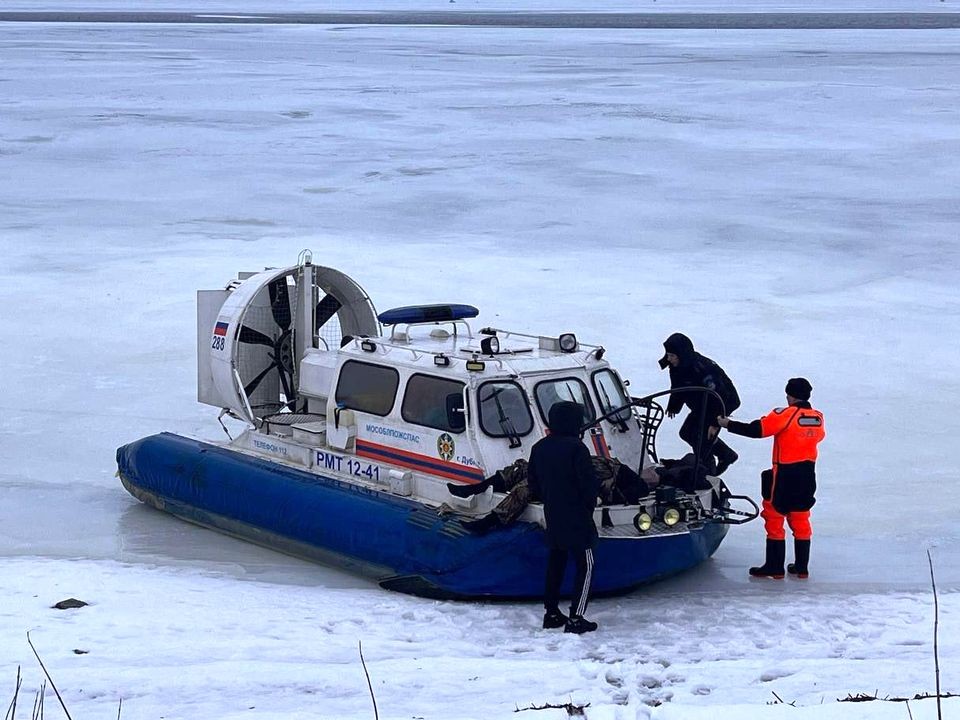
(355, 425)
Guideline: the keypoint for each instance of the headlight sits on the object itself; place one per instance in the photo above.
(567, 342)
(642, 521)
(490, 346)
(671, 516)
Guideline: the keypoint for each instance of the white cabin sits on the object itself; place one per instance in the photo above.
(425, 402)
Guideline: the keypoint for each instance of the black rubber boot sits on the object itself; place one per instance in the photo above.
(773, 565)
(465, 491)
(483, 524)
(801, 554)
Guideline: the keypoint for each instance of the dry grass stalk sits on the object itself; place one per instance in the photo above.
(376, 715)
(37, 713)
(936, 629)
(12, 708)
(49, 679)
(572, 709)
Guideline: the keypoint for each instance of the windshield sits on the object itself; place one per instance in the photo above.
(612, 396)
(550, 392)
(504, 411)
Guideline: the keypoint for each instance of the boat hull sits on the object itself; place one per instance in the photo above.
(398, 542)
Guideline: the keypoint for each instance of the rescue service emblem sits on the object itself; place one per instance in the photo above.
(446, 447)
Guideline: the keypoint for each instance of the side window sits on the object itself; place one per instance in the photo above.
(426, 399)
(503, 410)
(367, 388)
(611, 394)
(550, 392)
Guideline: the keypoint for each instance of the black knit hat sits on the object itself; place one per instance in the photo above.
(799, 388)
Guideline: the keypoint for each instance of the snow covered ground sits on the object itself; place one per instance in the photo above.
(788, 199)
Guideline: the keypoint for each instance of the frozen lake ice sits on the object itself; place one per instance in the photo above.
(788, 199)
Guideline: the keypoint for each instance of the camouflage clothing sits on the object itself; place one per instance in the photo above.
(618, 485)
(511, 476)
(513, 505)
(608, 471)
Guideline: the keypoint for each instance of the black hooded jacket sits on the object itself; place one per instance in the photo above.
(696, 370)
(561, 475)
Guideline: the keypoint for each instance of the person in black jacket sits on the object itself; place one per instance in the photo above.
(689, 368)
(561, 475)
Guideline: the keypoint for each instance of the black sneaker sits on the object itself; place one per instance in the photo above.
(579, 625)
(767, 572)
(553, 619)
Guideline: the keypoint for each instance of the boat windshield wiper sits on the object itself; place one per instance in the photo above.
(506, 423)
(616, 419)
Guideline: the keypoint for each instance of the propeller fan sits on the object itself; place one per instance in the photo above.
(279, 341)
(262, 326)
(280, 344)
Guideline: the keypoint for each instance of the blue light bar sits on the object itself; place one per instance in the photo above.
(427, 313)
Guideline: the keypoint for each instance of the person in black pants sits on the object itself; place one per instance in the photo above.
(689, 368)
(561, 475)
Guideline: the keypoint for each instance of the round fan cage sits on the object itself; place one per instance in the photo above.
(268, 347)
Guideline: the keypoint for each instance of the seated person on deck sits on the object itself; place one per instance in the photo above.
(619, 485)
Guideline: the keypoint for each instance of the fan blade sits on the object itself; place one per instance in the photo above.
(254, 337)
(287, 384)
(252, 385)
(280, 302)
(326, 309)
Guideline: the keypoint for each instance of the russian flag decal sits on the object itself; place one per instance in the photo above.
(220, 328)
(599, 442)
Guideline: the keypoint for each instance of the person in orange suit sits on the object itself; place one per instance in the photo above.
(789, 486)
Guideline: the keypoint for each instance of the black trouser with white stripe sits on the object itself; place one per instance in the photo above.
(556, 568)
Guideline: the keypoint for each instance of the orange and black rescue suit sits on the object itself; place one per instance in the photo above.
(788, 487)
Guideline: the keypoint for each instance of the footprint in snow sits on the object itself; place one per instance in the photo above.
(651, 682)
(774, 674)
